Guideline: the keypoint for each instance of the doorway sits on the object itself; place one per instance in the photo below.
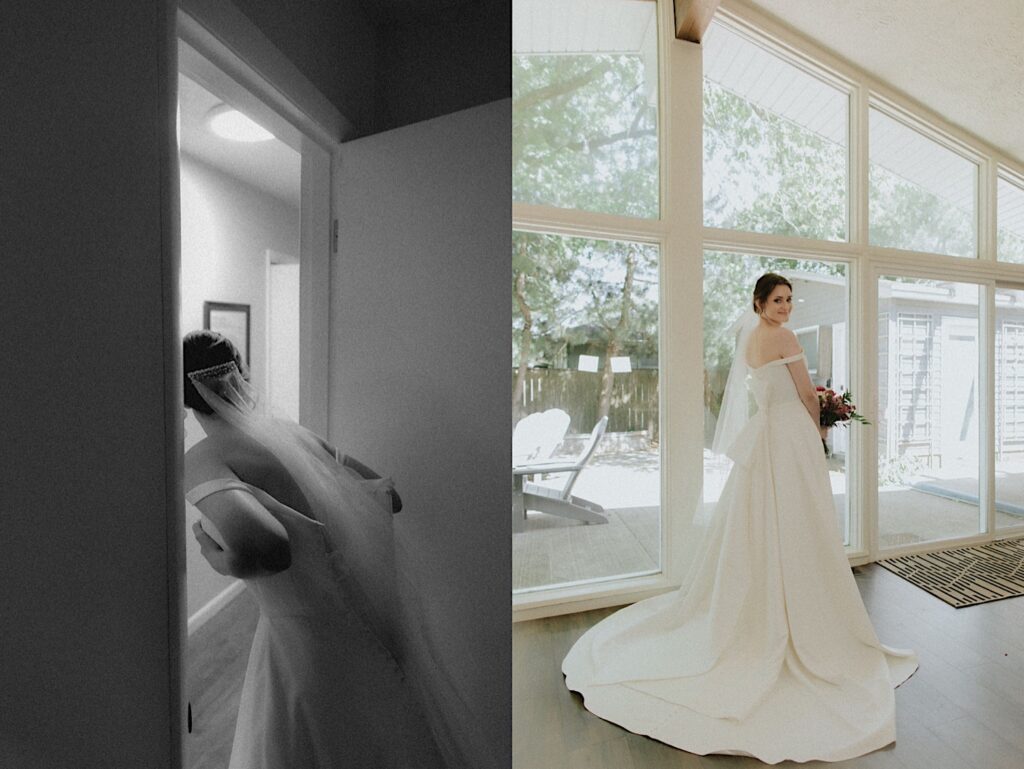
(255, 196)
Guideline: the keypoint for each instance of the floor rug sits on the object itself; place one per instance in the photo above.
(966, 576)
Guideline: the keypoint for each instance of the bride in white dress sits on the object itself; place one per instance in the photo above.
(766, 650)
(310, 532)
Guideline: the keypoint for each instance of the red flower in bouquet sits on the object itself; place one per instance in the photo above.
(836, 409)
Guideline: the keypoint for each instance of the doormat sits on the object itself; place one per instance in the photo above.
(966, 576)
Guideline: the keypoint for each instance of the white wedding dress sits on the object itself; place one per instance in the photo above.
(766, 650)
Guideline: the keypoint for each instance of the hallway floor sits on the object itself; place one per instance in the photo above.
(215, 668)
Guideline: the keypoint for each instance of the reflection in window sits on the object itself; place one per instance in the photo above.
(775, 143)
(1010, 219)
(922, 196)
(585, 105)
(928, 411)
(586, 400)
(820, 315)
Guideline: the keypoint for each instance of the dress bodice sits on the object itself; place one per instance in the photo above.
(772, 385)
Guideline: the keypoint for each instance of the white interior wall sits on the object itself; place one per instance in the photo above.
(227, 227)
(420, 391)
(283, 339)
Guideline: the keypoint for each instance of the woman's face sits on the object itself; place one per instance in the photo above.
(779, 304)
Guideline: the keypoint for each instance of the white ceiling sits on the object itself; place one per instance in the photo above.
(270, 166)
(594, 26)
(963, 60)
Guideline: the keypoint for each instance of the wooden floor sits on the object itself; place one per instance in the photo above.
(215, 668)
(963, 709)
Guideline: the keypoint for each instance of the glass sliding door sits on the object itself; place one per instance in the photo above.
(928, 411)
(585, 410)
(820, 320)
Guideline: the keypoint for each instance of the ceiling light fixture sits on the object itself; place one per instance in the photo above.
(228, 123)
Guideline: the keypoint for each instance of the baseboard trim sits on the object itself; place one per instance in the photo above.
(219, 601)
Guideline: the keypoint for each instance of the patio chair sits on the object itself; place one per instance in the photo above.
(556, 500)
(536, 436)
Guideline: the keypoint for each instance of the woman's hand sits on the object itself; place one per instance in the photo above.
(823, 431)
(211, 551)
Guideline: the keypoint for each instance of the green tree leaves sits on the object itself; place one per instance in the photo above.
(584, 135)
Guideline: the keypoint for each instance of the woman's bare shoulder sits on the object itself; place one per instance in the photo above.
(201, 463)
(772, 342)
(788, 343)
(205, 462)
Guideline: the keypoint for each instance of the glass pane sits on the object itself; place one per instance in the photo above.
(584, 359)
(775, 143)
(820, 320)
(585, 105)
(927, 411)
(1009, 408)
(922, 196)
(1010, 220)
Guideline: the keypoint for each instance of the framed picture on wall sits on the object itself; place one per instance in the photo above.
(231, 320)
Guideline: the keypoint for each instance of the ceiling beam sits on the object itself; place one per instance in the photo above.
(693, 18)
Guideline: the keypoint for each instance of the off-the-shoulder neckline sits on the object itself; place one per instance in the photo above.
(789, 359)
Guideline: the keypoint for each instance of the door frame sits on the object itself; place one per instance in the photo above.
(220, 48)
(214, 41)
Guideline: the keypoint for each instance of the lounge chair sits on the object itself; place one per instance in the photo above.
(536, 436)
(556, 500)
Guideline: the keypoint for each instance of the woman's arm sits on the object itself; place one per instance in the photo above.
(788, 347)
(255, 542)
(805, 389)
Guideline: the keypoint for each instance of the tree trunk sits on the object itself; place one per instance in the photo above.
(525, 342)
(615, 333)
(607, 380)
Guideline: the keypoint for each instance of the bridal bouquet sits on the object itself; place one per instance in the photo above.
(836, 409)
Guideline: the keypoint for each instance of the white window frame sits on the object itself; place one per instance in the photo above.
(683, 240)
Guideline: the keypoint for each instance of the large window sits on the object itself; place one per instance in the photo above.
(1010, 218)
(923, 196)
(585, 105)
(585, 403)
(809, 168)
(1009, 388)
(586, 448)
(775, 142)
(928, 421)
(784, 151)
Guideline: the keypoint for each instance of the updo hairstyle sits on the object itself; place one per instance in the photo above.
(764, 287)
(203, 349)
